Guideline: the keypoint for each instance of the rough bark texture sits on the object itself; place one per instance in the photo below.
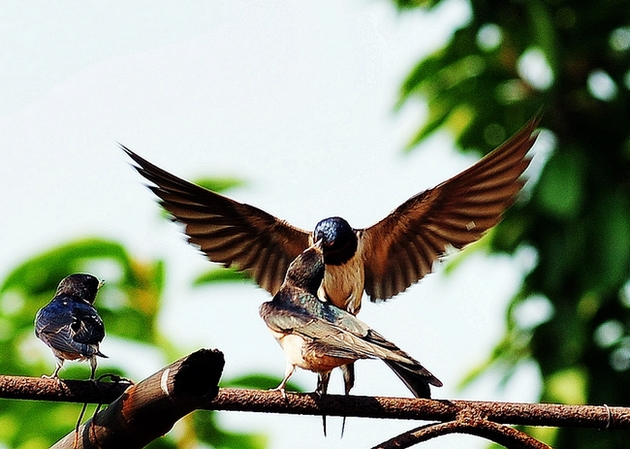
(149, 409)
(555, 415)
(140, 413)
(43, 389)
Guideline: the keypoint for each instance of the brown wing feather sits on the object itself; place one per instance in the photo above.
(400, 249)
(227, 231)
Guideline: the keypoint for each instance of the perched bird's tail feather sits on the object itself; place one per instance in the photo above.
(416, 377)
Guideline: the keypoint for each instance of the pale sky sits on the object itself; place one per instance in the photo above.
(297, 99)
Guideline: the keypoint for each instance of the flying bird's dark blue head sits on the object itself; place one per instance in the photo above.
(339, 241)
(79, 286)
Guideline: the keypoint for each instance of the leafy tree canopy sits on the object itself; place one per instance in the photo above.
(572, 59)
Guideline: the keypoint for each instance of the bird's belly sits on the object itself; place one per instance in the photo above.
(343, 285)
(300, 352)
(293, 346)
(321, 363)
(69, 355)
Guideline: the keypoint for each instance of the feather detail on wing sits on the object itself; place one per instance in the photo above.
(228, 232)
(77, 331)
(401, 249)
(336, 332)
(87, 326)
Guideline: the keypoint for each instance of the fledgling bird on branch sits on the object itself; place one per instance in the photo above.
(316, 335)
(383, 259)
(70, 325)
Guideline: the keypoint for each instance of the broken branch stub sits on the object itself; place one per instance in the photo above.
(148, 410)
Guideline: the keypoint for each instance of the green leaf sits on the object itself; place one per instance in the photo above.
(218, 184)
(408, 4)
(221, 275)
(209, 432)
(560, 189)
(568, 386)
(42, 273)
(544, 31)
(438, 113)
(610, 245)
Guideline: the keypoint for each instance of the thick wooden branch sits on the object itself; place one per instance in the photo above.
(594, 416)
(149, 409)
(555, 415)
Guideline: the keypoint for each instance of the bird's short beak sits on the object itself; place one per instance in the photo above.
(101, 283)
(319, 244)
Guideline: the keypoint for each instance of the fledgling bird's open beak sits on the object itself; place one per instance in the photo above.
(101, 283)
(319, 244)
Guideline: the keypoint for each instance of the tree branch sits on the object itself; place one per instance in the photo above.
(149, 409)
(145, 411)
(470, 422)
(593, 416)
(555, 415)
(45, 389)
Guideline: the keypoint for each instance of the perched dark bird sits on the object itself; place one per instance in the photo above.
(69, 324)
(318, 336)
(383, 259)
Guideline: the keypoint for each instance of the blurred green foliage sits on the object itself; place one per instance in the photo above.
(573, 60)
(129, 303)
(497, 71)
(222, 274)
(219, 184)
